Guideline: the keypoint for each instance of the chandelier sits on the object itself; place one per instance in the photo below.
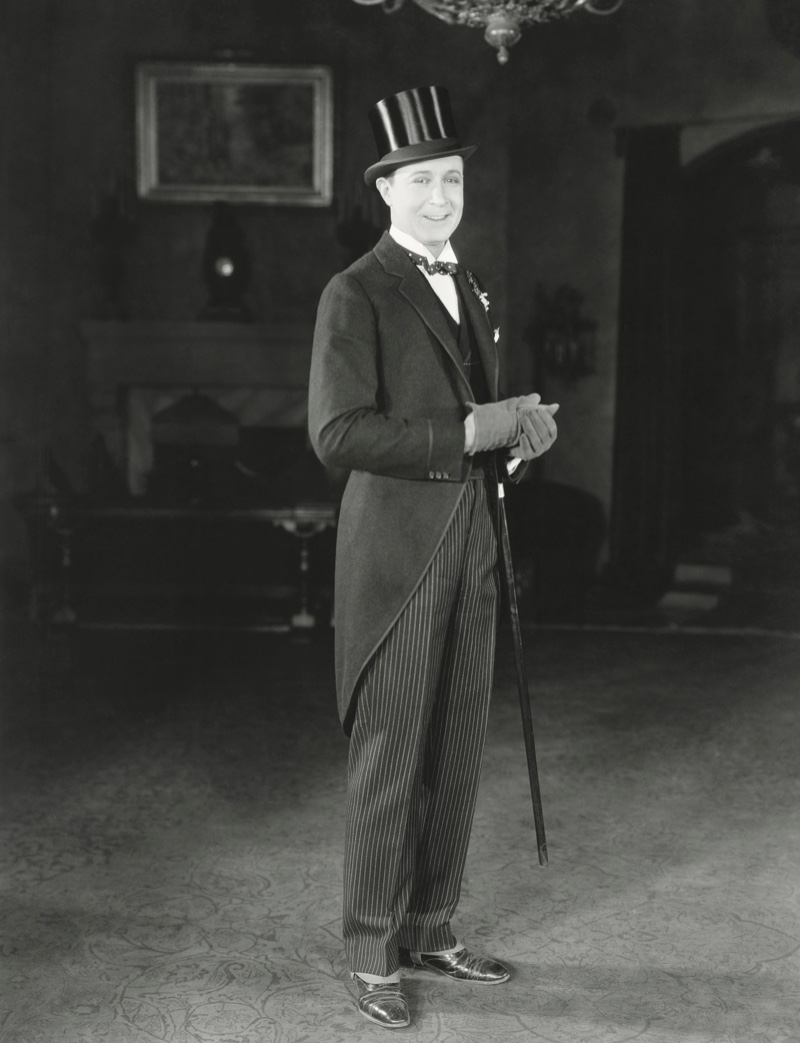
(502, 20)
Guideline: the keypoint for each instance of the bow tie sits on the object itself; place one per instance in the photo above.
(433, 267)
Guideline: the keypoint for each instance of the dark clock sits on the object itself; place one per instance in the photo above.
(226, 267)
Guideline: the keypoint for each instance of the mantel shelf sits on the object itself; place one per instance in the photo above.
(257, 370)
(267, 354)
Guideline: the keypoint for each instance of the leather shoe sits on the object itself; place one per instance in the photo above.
(460, 966)
(383, 1003)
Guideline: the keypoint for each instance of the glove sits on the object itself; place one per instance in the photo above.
(538, 432)
(521, 401)
(497, 424)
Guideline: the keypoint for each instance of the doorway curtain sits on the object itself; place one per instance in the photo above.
(644, 507)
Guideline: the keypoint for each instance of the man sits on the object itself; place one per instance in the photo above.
(403, 394)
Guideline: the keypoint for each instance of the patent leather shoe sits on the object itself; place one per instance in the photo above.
(460, 966)
(383, 1003)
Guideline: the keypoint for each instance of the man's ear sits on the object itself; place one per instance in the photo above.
(384, 186)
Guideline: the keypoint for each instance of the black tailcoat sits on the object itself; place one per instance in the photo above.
(387, 400)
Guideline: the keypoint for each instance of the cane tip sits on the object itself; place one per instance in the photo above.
(543, 857)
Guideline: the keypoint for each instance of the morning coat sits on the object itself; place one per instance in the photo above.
(388, 395)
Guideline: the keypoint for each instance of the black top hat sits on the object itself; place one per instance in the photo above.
(415, 124)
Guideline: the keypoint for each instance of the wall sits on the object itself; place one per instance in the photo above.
(697, 62)
(544, 189)
(69, 128)
(25, 233)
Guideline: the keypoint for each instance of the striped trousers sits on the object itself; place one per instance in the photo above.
(416, 749)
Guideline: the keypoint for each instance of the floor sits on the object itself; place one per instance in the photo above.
(172, 847)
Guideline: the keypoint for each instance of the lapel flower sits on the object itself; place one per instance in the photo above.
(482, 295)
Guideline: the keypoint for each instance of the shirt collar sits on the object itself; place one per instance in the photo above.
(408, 242)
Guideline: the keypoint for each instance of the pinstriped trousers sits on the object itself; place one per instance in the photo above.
(416, 749)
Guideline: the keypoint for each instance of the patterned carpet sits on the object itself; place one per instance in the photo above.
(172, 848)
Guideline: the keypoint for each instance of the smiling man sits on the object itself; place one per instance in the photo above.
(426, 201)
(404, 395)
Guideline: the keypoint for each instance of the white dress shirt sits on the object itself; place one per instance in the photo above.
(443, 285)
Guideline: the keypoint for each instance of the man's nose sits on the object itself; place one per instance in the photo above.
(437, 194)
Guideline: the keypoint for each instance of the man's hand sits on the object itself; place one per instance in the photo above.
(493, 425)
(521, 423)
(539, 430)
(521, 401)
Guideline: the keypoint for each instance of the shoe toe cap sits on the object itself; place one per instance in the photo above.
(385, 1005)
(391, 1013)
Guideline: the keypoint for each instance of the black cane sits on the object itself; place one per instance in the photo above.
(522, 677)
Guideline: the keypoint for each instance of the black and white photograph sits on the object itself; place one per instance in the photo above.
(400, 521)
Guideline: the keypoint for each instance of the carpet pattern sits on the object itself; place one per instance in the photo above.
(172, 827)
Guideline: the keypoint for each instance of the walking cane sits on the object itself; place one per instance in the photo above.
(522, 677)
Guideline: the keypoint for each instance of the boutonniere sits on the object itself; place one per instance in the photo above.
(483, 297)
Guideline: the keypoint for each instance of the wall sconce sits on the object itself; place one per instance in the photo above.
(564, 341)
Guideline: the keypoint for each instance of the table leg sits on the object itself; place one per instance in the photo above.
(64, 613)
(303, 618)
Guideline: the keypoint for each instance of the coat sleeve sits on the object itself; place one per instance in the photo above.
(346, 425)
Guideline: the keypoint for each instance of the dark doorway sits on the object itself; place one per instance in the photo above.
(740, 365)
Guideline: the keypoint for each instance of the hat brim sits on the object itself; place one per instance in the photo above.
(411, 153)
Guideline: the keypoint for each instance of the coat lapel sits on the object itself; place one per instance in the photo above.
(484, 335)
(422, 299)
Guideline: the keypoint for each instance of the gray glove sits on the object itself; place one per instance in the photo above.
(539, 431)
(497, 424)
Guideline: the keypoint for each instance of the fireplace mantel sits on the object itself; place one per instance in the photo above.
(269, 355)
(129, 359)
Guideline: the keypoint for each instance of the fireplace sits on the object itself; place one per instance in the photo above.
(214, 553)
(257, 373)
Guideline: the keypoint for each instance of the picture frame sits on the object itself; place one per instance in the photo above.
(234, 132)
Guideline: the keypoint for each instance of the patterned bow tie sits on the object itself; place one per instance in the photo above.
(433, 267)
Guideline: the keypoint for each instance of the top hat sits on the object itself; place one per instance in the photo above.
(412, 125)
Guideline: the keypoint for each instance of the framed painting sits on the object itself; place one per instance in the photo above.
(238, 133)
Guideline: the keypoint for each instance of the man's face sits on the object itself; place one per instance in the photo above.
(426, 199)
